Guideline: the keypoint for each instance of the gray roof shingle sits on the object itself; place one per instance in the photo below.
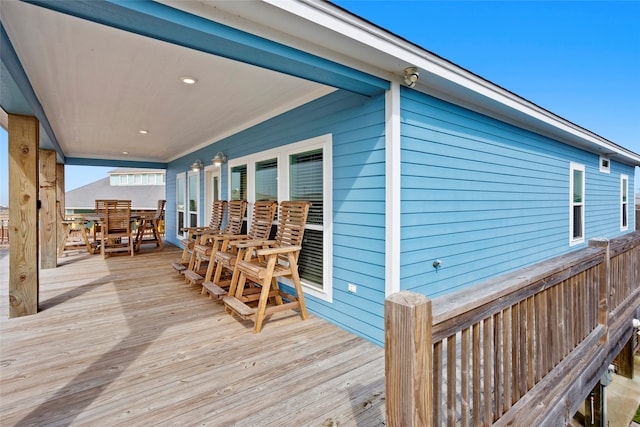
(141, 196)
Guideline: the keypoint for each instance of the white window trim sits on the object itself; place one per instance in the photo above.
(580, 167)
(605, 169)
(187, 207)
(179, 226)
(323, 142)
(210, 172)
(624, 178)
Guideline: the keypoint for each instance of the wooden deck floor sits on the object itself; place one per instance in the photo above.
(124, 341)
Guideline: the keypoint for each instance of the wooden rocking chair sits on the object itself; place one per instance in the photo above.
(224, 259)
(274, 259)
(194, 233)
(116, 228)
(210, 243)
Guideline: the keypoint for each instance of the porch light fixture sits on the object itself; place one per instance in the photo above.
(197, 165)
(189, 80)
(411, 76)
(219, 159)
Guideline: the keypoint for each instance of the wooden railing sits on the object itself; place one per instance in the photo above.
(516, 350)
(4, 228)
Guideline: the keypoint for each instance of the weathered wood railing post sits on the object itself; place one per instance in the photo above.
(408, 356)
(604, 286)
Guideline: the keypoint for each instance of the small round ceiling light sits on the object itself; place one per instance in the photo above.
(125, 152)
(143, 131)
(189, 80)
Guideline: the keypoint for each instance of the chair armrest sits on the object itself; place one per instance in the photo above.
(243, 244)
(279, 250)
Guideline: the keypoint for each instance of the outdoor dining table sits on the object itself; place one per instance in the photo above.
(99, 219)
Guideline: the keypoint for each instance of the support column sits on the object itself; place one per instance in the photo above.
(23, 215)
(60, 197)
(48, 219)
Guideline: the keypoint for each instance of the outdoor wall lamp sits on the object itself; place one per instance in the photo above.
(411, 76)
(197, 165)
(219, 159)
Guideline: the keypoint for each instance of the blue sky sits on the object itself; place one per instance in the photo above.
(580, 60)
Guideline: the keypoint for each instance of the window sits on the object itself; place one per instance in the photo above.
(299, 171)
(239, 182)
(194, 198)
(180, 201)
(267, 180)
(576, 213)
(605, 164)
(624, 202)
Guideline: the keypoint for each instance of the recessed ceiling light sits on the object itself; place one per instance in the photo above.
(143, 131)
(125, 152)
(189, 80)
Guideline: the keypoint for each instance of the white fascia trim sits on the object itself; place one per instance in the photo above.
(393, 199)
(352, 27)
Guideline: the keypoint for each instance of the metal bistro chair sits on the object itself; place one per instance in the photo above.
(210, 243)
(194, 233)
(272, 260)
(226, 256)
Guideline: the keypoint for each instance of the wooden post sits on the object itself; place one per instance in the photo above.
(48, 217)
(60, 197)
(604, 287)
(408, 357)
(23, 215)
(624, 359)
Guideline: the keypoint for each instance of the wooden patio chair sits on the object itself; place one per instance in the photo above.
(224, 259)
(210, 243)
(272, 260)
(148, 226)
(117, 235)
(73, 231)
(194, 233)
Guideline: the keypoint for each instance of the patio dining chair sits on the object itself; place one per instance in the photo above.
(267, 261)
(73, 233)
(116, 228)
(224, 259)
(149, 226)
(210, 243)
(194, 233)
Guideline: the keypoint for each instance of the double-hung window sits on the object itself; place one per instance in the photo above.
(576, 210)
(180, 202)
(624, 202)
(298, 171)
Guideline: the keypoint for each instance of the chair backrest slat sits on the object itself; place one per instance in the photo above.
(117, 216)
(235, 216)
(292, 220)
(217, 214)
(262, 219)
(160, 210)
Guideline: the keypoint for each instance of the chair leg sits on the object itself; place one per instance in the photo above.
(298, 286)
(264, 295)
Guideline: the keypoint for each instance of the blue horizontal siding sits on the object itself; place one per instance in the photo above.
(486, 197)
(356, 124)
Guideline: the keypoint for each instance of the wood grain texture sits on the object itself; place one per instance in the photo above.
(23, 215)
(122, 342)
(48, 212)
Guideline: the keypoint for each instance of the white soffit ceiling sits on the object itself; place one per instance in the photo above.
(99, 86)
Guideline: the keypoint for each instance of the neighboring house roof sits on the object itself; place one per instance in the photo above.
(141, 196)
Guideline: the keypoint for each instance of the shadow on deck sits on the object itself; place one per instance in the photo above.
(125, 341)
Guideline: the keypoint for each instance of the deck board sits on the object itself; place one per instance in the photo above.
(124, 341)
